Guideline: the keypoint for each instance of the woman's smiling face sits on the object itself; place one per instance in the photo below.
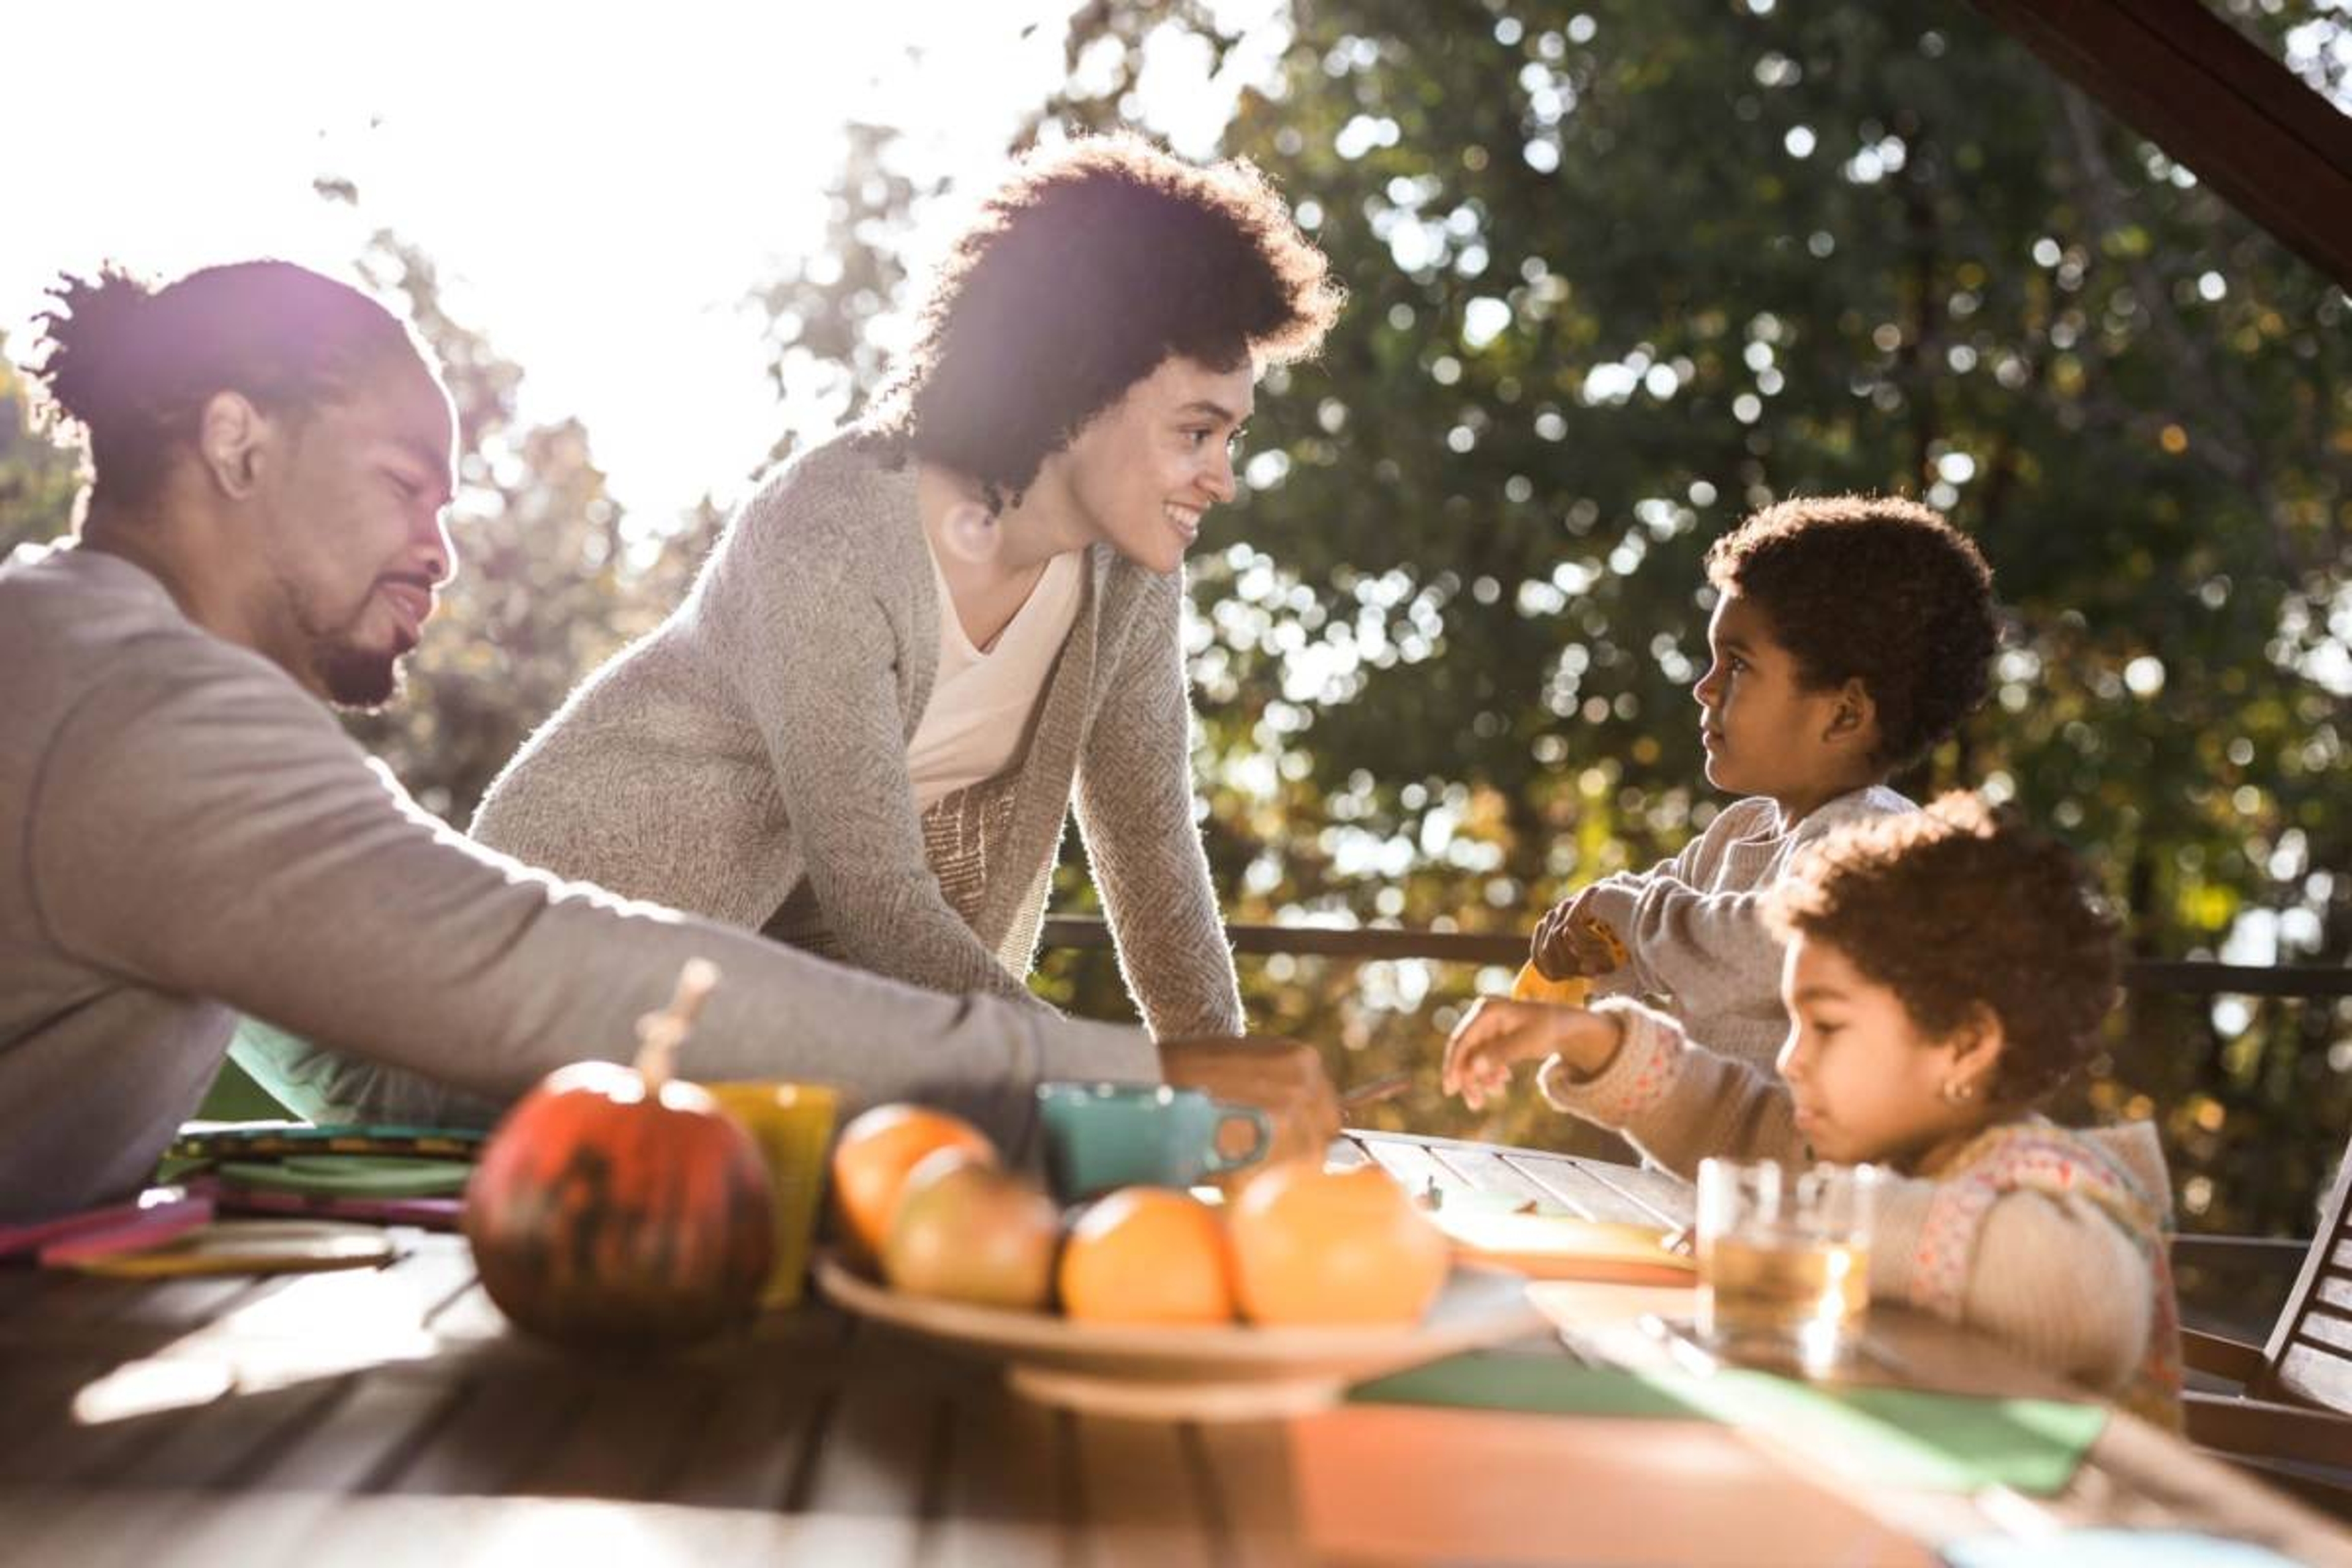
(1144, 471)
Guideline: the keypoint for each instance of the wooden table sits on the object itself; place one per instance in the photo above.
(390, 1417)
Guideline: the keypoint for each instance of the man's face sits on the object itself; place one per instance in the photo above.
(350, 533)
(1144, 471)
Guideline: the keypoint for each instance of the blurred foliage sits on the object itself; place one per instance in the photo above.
(553, 579)
(39, 478)
(1623, 271)
(1620, 271)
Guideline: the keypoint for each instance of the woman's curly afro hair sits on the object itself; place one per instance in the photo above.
(1091, 264)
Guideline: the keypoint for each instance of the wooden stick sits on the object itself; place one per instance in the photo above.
(1387, 1086)
(659, 1035)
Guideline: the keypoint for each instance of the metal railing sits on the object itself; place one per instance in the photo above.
(2191, 977)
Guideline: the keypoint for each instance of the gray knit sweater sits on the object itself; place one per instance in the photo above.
(190, 835)
(752, 751)
(1694, 926)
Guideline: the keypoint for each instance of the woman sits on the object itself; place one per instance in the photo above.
(922, 641)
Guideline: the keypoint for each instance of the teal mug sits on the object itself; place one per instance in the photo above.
(1099, 1136)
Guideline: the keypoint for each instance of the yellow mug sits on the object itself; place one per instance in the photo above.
(791, 1123)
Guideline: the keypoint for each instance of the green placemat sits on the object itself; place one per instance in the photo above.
(1527, 1385)
(1881, 1437)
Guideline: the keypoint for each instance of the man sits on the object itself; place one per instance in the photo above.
(192, 836)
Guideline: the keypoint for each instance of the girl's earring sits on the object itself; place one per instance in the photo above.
(1956, 1092)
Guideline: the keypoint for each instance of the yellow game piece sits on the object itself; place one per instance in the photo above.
(1531, 986)
(1606, 935)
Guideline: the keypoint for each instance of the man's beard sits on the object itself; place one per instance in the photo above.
(357, 677)
(354, 677)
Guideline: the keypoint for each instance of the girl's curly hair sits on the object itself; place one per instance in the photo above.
(1963, 906)
(1091, 264)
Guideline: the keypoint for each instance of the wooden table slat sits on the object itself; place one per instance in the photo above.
(1666, 1198)
(492, 1436)
(1139, 1495)
(1484, 1171)
(1255, 1496)
(624, 1442)
(876, 1458)
(1009, 1500)
(753, 1444)
(1577, 1189)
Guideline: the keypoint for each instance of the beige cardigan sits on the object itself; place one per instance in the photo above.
(755, 746)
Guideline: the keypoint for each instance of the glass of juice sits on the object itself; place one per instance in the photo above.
(1783, 1260)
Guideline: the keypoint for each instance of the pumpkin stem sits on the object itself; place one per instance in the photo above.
(659, 1035)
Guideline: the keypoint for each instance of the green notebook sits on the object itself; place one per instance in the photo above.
(350, 1175)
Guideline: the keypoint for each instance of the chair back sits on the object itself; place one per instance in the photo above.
(2309, 1356)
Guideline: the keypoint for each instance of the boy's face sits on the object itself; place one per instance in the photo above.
(1765, 731)
(1144, 471)
(1868, 1084)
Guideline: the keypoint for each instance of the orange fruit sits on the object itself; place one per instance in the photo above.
(1530, 985)
(1312, 1245)
(968, 1231)
(871, 1160)
(1148, 1255)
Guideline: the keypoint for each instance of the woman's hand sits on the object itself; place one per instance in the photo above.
(1281, 1078)
(1498, 1035)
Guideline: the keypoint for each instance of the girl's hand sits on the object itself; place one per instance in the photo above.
(1498, 1035)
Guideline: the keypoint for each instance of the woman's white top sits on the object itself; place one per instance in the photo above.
(982, 700)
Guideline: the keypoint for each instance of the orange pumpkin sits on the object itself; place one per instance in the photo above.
(610, 1210)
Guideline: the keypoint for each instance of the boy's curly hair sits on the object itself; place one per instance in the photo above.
(1873, 588)
(1963, 906)
(1090, 265)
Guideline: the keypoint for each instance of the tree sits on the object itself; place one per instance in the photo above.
(38, 477)
(1622, 272)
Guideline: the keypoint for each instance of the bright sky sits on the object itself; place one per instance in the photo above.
(600, 186)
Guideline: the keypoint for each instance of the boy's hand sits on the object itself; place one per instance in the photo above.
(1497, 1036)
(1571, 940)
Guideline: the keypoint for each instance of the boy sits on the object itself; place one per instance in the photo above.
(1850, 634)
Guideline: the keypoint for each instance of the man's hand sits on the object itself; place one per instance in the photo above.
(1571, 940)
(1281, 1078)
(1497, 1036)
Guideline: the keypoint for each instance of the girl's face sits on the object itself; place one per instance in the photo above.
(1868, 1084)
(1766, 731)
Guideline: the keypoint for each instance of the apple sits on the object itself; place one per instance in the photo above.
(966, 1231)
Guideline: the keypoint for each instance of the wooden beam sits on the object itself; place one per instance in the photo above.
(2236, 118)
(2193, 977)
